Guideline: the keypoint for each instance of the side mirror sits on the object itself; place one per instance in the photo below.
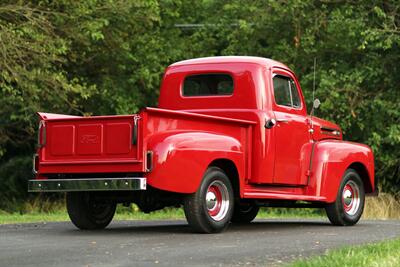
(316, 103)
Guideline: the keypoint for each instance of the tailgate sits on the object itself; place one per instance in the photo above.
(69, 144)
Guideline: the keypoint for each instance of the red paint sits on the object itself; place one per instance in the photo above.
(187, 134)
(88, 144)
(347, 207)
(217, 208)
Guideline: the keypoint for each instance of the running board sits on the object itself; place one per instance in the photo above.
(289, 204)
(281, 194)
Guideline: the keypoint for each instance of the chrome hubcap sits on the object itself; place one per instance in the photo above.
(211, 200)
(351, 198)
(217, 200)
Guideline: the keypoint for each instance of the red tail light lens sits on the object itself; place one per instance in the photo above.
(35, 166)
(41, 134)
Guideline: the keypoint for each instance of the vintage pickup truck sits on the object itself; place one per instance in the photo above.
(230, 134)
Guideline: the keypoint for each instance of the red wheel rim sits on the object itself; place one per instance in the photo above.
(351, 198)
(217, 200)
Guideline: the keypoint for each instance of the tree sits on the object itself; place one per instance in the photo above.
(108, 56)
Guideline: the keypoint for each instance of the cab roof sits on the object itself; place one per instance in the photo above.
(231, 59)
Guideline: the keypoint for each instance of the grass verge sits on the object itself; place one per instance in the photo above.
(59, 213)
(372, 255)
(385, 206)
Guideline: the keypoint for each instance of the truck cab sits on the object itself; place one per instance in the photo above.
(230, 134)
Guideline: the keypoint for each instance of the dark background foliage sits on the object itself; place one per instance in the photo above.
(108, 56)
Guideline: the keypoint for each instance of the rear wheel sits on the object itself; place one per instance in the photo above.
(87, 213)
(210, 208)
(245, 212)
(349, 204)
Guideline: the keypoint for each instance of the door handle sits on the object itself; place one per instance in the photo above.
(272, 122)
(282, 120)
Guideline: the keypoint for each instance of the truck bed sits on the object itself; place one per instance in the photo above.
(116, 144)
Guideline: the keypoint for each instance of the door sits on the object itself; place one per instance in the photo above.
(292, 137)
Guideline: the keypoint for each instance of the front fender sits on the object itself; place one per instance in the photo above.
(330, 161)
(180, 158)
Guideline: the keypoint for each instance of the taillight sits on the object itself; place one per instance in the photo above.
(135, 130)
(35, 162)
(41, 134)
(149, 161)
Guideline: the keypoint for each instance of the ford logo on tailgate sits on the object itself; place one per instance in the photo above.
(89, 139)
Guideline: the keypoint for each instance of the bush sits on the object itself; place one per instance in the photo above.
(14, 175)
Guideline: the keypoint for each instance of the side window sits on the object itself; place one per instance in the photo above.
(285, 91)
(282, 91)
(295, 95)
(208, 85)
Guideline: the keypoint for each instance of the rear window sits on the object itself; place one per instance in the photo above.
(208, 85)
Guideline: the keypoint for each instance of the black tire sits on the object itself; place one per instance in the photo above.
(201, 214)
(88, 214)
(244, 212)
(347, 212)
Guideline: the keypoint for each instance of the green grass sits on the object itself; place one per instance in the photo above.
(385, 254)
(61, 215)
(58, 213)
(48, 209)
(7, 218)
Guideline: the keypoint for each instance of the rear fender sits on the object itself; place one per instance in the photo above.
(180, 159)
(330, 161)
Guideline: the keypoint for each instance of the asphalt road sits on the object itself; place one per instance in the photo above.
(171, 243)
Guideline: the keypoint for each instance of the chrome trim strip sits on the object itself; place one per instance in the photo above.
(87, 184)
(327, 129)
(82, 162)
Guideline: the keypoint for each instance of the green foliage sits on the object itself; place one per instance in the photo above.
(380, 254)
(357, 52)
(13, 181)
(108, 57)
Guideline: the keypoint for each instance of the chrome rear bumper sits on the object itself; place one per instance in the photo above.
(87, 184)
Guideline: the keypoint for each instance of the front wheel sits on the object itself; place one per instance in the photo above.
(349, 204)
(87, 213)
(210, 208)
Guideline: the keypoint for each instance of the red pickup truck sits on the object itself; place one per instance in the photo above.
(230, 134)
